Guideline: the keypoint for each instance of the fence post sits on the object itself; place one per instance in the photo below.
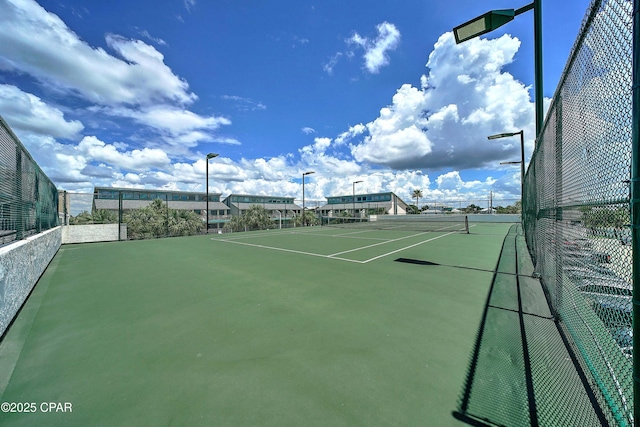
(19, 202)
(635, 203)
(119, 215)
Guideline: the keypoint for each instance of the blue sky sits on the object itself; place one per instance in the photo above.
(134, 94)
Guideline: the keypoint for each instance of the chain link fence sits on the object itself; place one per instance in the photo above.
(28, 198)
(147, 219)
(470, 206)
(576, 206)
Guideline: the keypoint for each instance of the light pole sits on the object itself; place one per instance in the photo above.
(497, 18)
(209, 157)
(505, 135)
(304, 220)
(354, 197)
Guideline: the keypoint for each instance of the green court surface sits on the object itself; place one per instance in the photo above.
(313, 326)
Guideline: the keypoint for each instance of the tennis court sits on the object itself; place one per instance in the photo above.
(312, 326)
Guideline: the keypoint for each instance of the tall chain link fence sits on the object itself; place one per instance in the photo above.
(576, 206)
(490, 204)
(28, 198)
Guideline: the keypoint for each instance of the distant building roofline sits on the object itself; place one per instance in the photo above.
(155, 190)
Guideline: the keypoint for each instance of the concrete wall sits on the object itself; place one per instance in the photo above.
(92, 233)
(21, 264)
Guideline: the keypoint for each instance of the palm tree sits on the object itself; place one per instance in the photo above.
(257, 218)
(157, 220)
(417, 194)
(81, 219)
(254, 218)
(103, 216)
(236, 223)
(308, 217)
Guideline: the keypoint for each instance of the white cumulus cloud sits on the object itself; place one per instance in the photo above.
(28, 112)
(94, 149)
(444, 124)
(376, 50)
(39, 43)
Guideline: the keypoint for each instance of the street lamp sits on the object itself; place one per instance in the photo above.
(496, 18)
(303, 216)
(354, 197)
(209, 157)
(506, 135)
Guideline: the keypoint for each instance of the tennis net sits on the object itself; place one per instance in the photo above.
(443, 223)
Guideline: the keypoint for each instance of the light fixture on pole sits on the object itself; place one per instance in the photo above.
(354, 196)
(506, 135)
(496, 18)
(209, 157)
(303, 212)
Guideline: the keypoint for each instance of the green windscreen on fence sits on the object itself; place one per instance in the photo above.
(576, 204)
(28, 198)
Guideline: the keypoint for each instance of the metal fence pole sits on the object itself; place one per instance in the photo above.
(66, 211)
(119, 215)
(635, 203)
(19, 202)
(166, 198)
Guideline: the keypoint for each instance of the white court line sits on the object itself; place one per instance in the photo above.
(232, 236)
(408, 247)
(343, 236)
(333, 256)
(286, 250)
(378, 244)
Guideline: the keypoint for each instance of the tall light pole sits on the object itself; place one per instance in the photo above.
(303, 213)
(354, 197)
(506, 135)
(209, 157)
(497, 18)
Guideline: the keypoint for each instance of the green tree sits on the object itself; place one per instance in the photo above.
(235, 224)
(98, 216)
(412, 209)
(417, 194)
(183, 222)
(472, 208)
(81, 219)
(157, 220)
(309, 217)
(254, 218)
(258, 218)
(103, 216)
(516, 208)
(147, 222)
(605, 217)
